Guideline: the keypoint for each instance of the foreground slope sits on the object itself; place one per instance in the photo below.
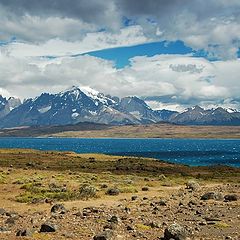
(63, 195)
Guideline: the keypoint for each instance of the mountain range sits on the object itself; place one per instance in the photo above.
(76, 105)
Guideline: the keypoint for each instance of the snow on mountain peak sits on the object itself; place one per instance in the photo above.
(231, 110)
(75, 91)
(96, 96)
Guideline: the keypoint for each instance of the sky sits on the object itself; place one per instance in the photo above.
(173, 53)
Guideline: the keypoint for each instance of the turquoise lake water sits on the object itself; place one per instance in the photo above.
(193, 152)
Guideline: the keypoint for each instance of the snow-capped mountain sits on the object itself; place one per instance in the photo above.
(84, 104)
(67, 107)
(199, 116)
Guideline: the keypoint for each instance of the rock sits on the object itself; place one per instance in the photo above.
(114, 219)
(12, 214)
(176, 232)
(145, 189)
(162, 203)
(212, 219)
(58, 208)
(25, 232)
(192, 185)
(48, 227)
(134, 198)
(3, 229)
(231, 197)
(105, 235)
(130, 228)
(104, 186)
(113, 191)
(10, 221)
(2, 211)
(153, 224)
(162, 177)
(212, 195)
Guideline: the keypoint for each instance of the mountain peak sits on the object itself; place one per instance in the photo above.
(197, 108)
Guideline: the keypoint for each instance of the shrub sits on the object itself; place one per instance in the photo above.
(87, 191)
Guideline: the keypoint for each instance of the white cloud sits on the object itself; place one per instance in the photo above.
(146, 76)
(132, 35)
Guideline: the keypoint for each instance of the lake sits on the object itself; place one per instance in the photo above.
(193, 152)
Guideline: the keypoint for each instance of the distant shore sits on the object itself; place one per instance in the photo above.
(161, 130)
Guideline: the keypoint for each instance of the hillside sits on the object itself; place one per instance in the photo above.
(64, 195)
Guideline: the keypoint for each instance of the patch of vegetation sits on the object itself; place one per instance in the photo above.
(87, 191)
(142, 227)
(2, 178)
(128, 189)
(36, 192)
(221, 225)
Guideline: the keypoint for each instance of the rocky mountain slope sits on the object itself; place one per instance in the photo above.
(198, 116)
(7, 105)
(76, 105)
(79, 105)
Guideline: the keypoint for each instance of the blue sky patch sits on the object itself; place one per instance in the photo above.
(122, 55)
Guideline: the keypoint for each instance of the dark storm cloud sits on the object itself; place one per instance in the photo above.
(161, 8)
(87, 10)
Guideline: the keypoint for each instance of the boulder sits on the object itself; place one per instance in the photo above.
(48, 227)
(113, 191)
(176, 232)
(192, 185)
(212, 195)
(58, 208)
(105, 235)
(231, 197)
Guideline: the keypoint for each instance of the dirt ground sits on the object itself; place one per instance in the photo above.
(148, 201)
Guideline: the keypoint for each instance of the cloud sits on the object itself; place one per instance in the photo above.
(146, 76)
(90, 42)
(213, 27)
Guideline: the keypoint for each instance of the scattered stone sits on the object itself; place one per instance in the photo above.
(231, 197)
(212, 219)
(10, 221)
(176, 232)
(2, 211)
(192, 185)
(48, 227)
(113, 192)
(25, 233)
(153, 224)
(134, 198)
(58, 208)
(212, 195)
(4, 229)
(145, 189)
(114, 219)
(105, 235)
(162, 202)
(162, 177)
(130, 228)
